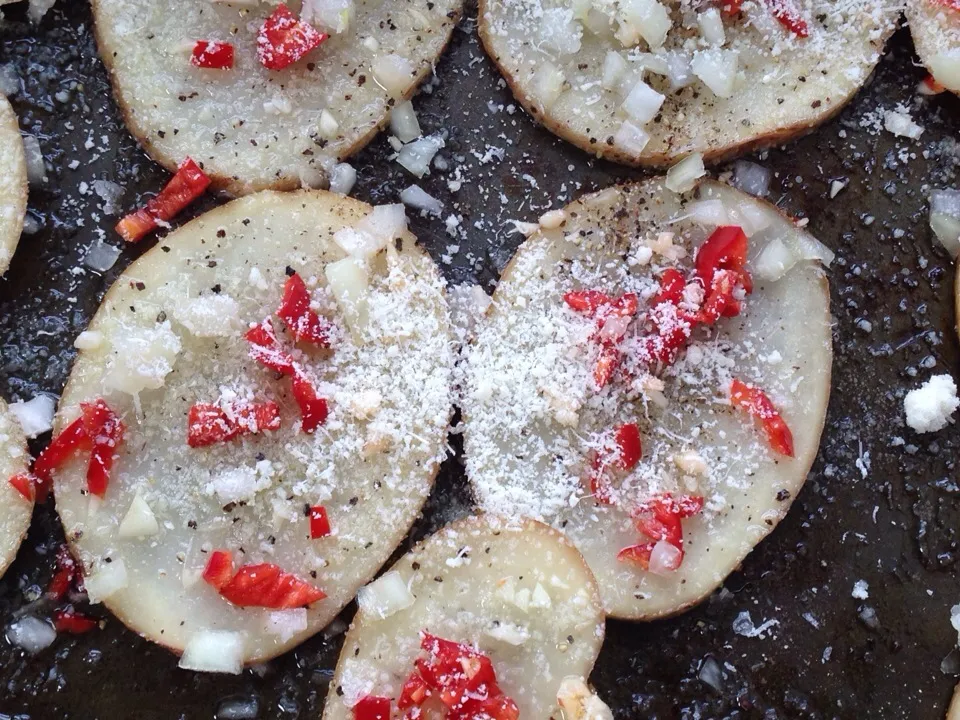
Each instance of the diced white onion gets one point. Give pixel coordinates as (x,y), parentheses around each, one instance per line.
(286,623)
(110,577)
(394,73)
(31,633)
(598,23)
(614,68)
(509,633)
(385,596)
(559,31)
(643,103)
(139,520)
(342,178)
(650,19)
(334,16)
(349,281)
(631,138)
(404,123)
(945,68)
(547,84)
(417,156)
(416,197)
(809,248)
(88,340)
(36,170)
(753,179)
(711,26)
(708,212)
(945,219)
(385,222)
(649,61)
(775,260)
(101,256)
(218,651)
(665,558)
(36,415)
(679,69)
(717,69)
(754,218)
(683,176)
(328,125)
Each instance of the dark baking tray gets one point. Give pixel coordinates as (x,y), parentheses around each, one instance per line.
(830,656)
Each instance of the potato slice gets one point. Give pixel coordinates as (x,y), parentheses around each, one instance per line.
(252,128)
(168,505)
(468,579)
(935,28)
(953,712)
(762,86)
(13,184)
(15,509)
(531,417)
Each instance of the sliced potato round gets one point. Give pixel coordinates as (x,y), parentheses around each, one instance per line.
(579,68)
(168,335)
(935,27)
(517,591)
(15,509)
(532,418)
(953,712)
(252,128)
(13,184)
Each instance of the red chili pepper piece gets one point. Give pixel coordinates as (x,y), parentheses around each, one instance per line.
(26,485)
(720,301)
(189,183)
(65,574)
(672,285)
(607,363)
(629,447)
(500,707)
(371,707)
(213,55)
(266,585)
(72,438)
(731,7)
(319,522)
(284,39)
(415,692)
(313,408)
(265,348)
(69,621)
(659,519)
(586,301)
(789,16)
(637,554)
(219,569)
(929,85)
(725,249)
(295,311)
(106,431)
(955,4)
(756,402)
(208,424)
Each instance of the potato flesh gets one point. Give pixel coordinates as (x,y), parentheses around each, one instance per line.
(522,458)
(249,127)
(935,28)
(773,97)
(472,558)
(13,184)
(15,510)
(242,250)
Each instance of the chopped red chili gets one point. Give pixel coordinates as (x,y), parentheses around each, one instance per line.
(586,301)
(208,424)
(731,7)
(72,438)
(285,38)
(756,402)
(69,621)
(295,311)
(106,431)
(189,183)
(629,448)
(611,316)
(929,85)
(725,249)
(212,54)
(313,408)
(371,707)
(219,569)
(789,16)
(319,522)
(25,484)
(660,520)
(672,285)
(262,585)
(627,453)
(65,575)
